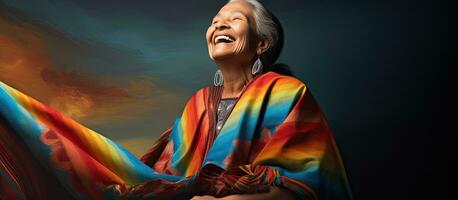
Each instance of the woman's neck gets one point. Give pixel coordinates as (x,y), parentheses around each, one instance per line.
(236,77)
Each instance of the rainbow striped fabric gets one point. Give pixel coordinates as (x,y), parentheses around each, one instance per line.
(276,135)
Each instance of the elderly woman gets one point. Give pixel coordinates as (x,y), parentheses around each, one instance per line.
(254,135)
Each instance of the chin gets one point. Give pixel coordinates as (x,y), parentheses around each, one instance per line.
(222,55)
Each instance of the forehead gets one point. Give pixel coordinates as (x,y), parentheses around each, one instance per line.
(236,7)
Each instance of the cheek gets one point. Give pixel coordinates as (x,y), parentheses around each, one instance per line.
(242,45)
(208,39)
(244,39)
(208,34)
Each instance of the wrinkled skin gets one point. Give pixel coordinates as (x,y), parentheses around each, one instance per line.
(236,20)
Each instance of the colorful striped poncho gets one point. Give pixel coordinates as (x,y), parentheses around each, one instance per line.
(275,136)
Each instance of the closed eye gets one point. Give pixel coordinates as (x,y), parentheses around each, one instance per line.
(237,15)
(237,18)
(215,20)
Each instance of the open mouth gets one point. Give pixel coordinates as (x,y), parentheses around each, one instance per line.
(223,39)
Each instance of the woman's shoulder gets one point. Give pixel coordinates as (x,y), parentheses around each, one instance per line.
(279,80)
(200,95)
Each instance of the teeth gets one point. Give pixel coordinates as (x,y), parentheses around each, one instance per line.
(225,37)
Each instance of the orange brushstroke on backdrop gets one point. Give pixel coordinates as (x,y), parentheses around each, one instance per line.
(25,64)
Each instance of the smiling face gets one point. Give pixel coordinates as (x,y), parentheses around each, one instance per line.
(231,34)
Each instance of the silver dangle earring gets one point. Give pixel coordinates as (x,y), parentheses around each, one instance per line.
(218,79)
(257,67)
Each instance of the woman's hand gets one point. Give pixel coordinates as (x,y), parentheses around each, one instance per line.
(205,197)
(275,193)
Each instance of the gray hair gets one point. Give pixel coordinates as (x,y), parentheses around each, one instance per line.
(265,25)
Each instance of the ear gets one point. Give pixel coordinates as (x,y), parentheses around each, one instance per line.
(263,44)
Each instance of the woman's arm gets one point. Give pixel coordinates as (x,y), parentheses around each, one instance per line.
(274,193)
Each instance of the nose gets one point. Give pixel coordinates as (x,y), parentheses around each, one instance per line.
(221,25)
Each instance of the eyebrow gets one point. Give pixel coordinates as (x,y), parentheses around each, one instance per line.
(232,12)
